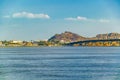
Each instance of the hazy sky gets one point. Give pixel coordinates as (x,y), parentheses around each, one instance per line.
(41,19)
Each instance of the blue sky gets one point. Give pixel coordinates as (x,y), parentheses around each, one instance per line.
(41,19)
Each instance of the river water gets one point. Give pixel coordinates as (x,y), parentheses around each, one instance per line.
(60,63)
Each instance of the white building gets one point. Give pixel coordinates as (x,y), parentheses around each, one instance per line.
(16,41)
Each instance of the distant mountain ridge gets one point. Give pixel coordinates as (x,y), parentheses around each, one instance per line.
(68,37)
(108,36)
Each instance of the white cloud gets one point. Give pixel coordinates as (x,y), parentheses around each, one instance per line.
(70,18)
(80,18)
(29,15)
(104,21)
(77,18)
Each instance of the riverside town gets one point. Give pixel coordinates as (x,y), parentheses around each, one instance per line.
(67,39)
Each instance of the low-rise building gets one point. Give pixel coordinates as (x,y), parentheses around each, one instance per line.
(1,43)
(16,41)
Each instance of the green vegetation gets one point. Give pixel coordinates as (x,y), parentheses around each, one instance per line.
(107,43)
(29,43)
(110,42)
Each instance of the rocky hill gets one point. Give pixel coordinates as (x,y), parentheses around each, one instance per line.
(108,36)
(67,37)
